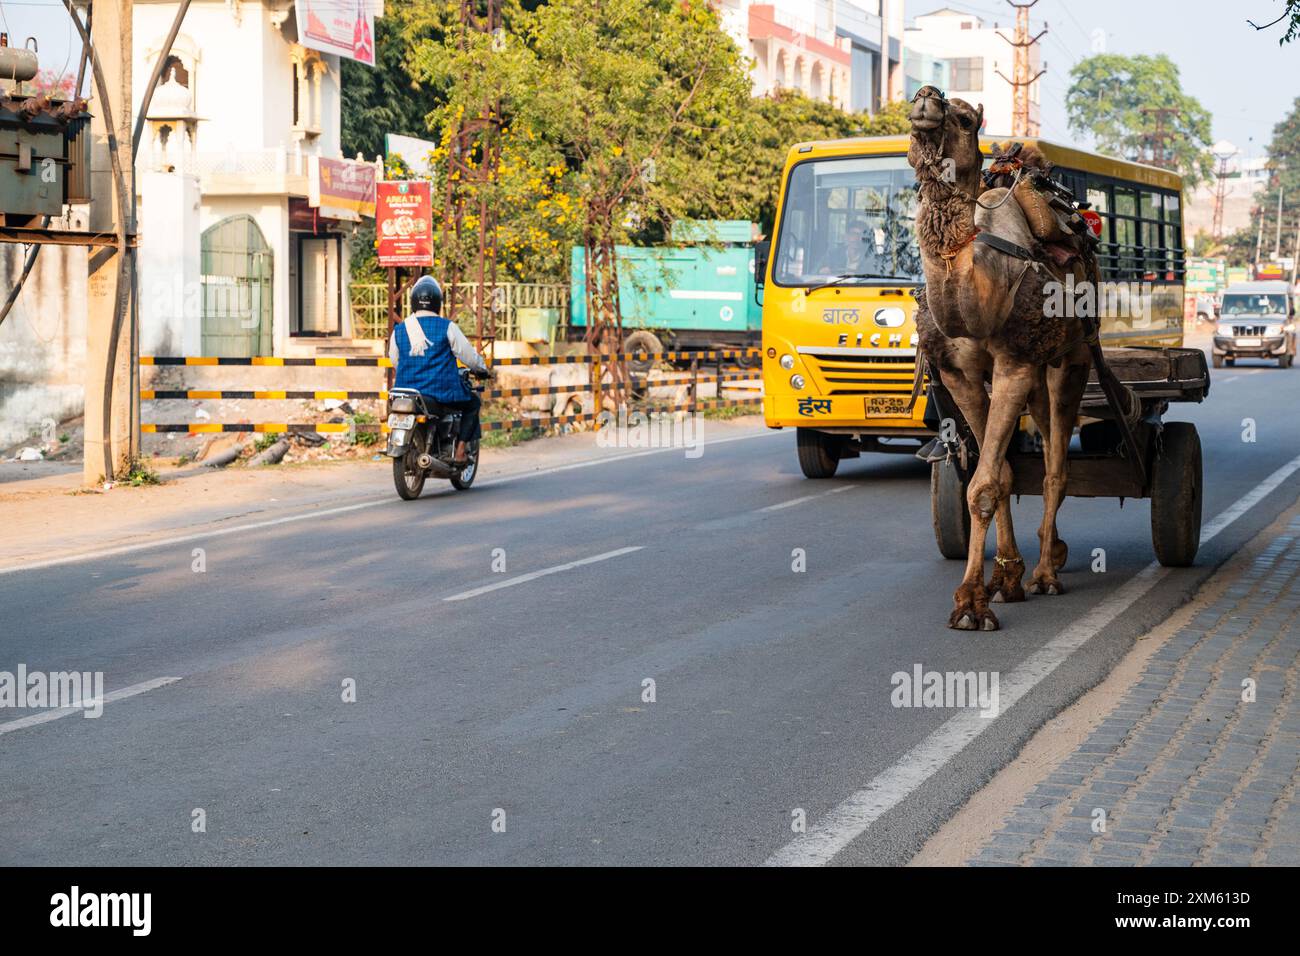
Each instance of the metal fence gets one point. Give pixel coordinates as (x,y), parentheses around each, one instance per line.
(370,320)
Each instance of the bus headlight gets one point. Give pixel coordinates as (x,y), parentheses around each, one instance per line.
(797,382)
(787,362)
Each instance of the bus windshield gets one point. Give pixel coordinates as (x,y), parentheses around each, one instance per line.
(1254,304)
(850,218)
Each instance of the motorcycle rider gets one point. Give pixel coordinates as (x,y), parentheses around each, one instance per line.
(424,349)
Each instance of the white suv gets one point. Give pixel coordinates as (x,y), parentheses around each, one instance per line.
(1256,320)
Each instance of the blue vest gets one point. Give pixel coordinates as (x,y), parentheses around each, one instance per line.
(435,372)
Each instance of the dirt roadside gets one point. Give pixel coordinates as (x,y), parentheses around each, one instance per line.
(958,840)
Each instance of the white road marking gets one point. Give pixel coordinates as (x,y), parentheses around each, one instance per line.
(846,822)
(1225,381)
(47,715)
(798,501)
(327,512)
(534,575)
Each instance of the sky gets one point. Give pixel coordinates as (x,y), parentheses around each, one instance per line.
(1242,77)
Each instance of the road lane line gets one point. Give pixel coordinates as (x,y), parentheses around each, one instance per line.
(46,716)
(327,512)
(534,575)
(798,501)
(851,818)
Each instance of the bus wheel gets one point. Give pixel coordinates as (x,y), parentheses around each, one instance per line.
(948,510)
(819,453)
(1176,495)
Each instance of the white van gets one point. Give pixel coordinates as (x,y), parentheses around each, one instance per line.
(1256,320)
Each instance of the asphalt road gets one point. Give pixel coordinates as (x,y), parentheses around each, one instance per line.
(772,688)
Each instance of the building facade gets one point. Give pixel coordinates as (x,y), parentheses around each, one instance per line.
(235,258)
(976,62)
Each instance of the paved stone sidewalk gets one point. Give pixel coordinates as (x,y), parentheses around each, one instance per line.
(1187,770)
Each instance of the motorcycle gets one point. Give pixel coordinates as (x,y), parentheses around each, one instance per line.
(422,441)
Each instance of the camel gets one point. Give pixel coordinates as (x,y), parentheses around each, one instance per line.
(981,319)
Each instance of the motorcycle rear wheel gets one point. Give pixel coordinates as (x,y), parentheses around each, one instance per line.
(408,476)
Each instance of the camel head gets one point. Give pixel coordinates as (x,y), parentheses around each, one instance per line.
(944,129)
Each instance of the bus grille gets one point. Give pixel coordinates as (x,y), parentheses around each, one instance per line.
(862,374)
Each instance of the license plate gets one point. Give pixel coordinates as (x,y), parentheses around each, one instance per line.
(401,421)
(887,405)
(1250,343)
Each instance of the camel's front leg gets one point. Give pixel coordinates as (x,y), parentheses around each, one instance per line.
(1065,387)
(990,488)
(967,390)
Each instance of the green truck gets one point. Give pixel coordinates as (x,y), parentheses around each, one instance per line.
(697,292)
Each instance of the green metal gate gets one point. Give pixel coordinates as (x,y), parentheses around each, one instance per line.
(236,267)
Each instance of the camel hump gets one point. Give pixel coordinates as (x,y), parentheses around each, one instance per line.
(1006,221)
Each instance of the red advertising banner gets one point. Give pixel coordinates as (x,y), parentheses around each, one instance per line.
(404,224)
(341,188)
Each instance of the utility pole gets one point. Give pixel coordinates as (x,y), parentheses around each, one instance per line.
(112,398)
(1021,81)
(1156,142)
(1224,151)
(1277,243)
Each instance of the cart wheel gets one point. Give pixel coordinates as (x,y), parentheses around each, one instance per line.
(1216,361)
(948,510)
(1176,496)
(819,453)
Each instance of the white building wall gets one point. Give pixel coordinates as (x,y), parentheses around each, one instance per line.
(951,36)
(42,342)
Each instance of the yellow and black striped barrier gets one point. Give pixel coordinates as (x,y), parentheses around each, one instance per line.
(158,394)
(264,428)
(341,361)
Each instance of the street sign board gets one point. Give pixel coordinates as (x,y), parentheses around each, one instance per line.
(404,224)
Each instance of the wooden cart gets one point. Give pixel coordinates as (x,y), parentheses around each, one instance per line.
(1165,466)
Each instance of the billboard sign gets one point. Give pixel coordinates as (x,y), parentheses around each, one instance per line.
(341,188)
(412,151)
(345,28)
(404,224)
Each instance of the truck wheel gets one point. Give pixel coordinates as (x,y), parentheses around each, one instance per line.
(1230,362)
(1176,495)
(642,341)
(819,453)
(948,510)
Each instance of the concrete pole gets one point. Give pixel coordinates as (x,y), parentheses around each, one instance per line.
(112,36)
(884,54)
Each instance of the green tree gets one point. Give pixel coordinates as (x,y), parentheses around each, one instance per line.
(1284,178)
(626,95)
(1118,100)
(387,97)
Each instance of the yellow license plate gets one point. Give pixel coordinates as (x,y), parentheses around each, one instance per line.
(887,405)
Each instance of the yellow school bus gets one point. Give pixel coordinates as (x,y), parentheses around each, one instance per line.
(839,342)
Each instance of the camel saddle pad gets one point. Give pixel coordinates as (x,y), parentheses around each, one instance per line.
(1044,222)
